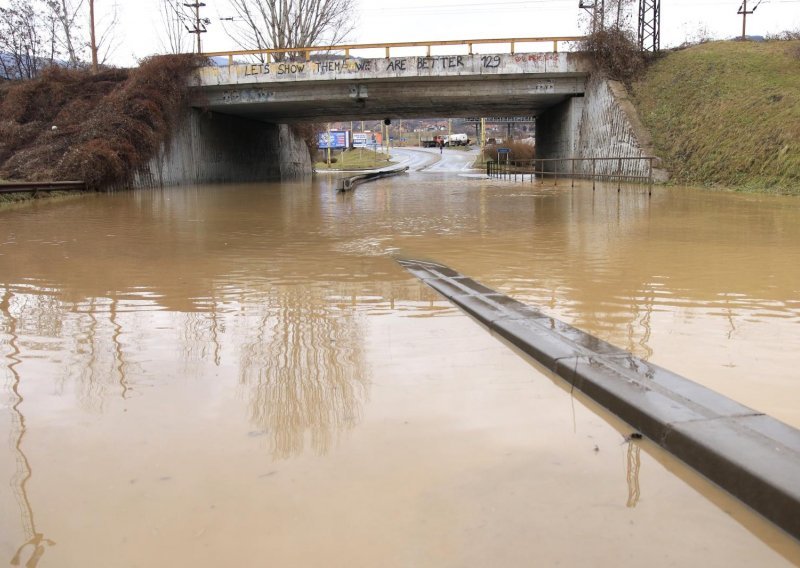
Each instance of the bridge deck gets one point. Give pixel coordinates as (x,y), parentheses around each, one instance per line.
(346,89)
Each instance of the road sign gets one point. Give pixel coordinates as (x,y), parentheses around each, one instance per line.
(360,140)
(338,139)
(504,150)
(503,119)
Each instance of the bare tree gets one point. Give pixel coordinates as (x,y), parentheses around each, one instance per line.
(68,15)
(23,47)
(271,24)
(175,22)
(618,12)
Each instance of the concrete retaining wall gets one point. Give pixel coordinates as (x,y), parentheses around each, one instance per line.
(602,124)
(216,148)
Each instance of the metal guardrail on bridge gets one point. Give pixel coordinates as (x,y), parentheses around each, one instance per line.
(347,48)
(535,169)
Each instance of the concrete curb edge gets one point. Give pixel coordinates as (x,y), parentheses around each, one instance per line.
(754,457)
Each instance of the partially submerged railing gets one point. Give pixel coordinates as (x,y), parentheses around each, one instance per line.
(349,183)
(609,169)
(36,186)
(306,52)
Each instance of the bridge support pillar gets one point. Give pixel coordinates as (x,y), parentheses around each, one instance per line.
(558,134)
(210,147)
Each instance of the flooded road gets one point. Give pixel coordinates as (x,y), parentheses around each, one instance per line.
(243,375)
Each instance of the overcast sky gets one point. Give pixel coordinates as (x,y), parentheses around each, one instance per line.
(140,32)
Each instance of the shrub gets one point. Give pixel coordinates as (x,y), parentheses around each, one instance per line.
(519,151)
(616,53)
(107,124)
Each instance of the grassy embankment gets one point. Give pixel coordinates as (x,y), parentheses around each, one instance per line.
(727,114)
(98,128)
(352,160)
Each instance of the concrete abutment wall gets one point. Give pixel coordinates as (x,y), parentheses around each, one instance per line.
(601,124)
(210,147)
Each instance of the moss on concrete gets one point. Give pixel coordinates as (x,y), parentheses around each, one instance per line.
(727,114)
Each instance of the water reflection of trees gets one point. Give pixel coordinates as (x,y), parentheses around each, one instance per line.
(98,365)
(304,371)
(35,544)
(201,334)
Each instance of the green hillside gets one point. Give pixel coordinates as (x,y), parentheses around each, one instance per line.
(727,114)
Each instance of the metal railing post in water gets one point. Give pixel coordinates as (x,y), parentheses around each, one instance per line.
(572,163)
(594,167)
(650,178)
(619,175)
(555,173)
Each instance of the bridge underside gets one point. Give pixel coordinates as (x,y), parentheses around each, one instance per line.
(342,101)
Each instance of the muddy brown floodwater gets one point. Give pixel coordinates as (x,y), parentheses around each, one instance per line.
(242,375)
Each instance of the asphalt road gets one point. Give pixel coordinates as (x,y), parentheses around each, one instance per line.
(434,161)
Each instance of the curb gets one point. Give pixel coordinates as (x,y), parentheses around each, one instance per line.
(751,455)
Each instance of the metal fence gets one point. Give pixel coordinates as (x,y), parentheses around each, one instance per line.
(617,169)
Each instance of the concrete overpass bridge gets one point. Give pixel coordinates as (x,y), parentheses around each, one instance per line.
(241,129)
(326,87)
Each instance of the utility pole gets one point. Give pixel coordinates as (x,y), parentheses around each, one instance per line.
(650,25)
(591,9)
(602,15)
(329,142)
(744,12)
(93,40)
(199,25)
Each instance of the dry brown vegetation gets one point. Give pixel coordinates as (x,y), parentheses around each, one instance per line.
(519,151)
(106,125)
(616,54)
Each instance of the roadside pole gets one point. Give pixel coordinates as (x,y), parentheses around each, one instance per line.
(483,136)
(329,146)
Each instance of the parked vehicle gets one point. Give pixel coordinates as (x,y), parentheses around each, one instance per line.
(432,142)
(456,140)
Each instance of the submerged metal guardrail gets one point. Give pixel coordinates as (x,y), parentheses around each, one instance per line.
(350,183)
(753,456)
(535,169)
(36,186)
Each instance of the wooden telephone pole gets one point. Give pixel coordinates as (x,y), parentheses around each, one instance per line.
(744,12)
(199,24)
(93,37)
